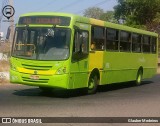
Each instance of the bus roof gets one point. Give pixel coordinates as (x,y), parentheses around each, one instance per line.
(93,22)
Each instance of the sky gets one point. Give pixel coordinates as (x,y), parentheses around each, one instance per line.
(67,6)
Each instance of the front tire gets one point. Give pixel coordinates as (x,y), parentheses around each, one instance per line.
(93,84)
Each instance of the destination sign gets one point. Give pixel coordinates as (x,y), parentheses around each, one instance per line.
(50,20)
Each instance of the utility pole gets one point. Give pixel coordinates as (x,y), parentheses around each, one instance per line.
(3,2)
(1,15)
(11,24)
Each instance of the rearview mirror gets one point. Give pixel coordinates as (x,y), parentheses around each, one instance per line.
(8,33)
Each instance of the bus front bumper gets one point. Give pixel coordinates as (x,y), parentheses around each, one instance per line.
(55,81)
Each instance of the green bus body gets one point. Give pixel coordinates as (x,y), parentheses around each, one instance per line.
(109,62)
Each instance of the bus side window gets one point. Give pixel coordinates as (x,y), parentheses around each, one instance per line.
(97,40)
(136,43)
(125,41)
(80,45)
(154,44)
(112,37)
(146,44)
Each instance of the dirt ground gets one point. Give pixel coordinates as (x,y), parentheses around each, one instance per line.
(4,66)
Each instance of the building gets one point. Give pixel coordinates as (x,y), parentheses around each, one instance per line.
(1,34)
(1,37)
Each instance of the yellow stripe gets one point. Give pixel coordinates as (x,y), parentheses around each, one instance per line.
(96,22)
(96,60)
(39,72)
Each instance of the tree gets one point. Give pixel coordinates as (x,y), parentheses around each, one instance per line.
(108,16)
(137,12)
(98,13)
(155,24)
(93,12)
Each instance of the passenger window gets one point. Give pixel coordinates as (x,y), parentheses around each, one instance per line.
(146,44)
(125,41)
(97,40)
(136,42)
(112,39)
(154,44)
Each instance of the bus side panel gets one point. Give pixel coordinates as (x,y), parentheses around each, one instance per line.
(122,66)
(150,67)
(149,72)
(118,68)
(79,74)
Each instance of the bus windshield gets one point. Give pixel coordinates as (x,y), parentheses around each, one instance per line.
(42,43)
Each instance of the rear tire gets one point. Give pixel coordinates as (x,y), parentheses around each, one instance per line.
(92,84)
(139,77)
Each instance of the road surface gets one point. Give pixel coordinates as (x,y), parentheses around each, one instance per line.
(120,100)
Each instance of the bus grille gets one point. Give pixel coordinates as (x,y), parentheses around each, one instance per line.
(37,67)
(26,79)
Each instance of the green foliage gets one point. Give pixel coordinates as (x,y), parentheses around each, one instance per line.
(143,14)
(98,13)
(138,12)
(157,18)
(93,12)
(108,16)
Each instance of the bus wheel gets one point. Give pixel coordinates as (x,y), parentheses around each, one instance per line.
(92,84)
(139,77)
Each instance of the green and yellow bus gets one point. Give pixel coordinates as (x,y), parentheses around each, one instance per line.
(67,51)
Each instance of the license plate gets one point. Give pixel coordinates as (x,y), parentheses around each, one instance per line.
(34,77)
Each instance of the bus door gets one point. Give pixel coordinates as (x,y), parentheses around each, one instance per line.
(97,47)
(79,63)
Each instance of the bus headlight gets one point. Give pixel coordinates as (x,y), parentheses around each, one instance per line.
(61,70)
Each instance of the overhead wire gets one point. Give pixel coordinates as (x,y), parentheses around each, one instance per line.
(97,4)
(66,6)
(46,5)
(62,8)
